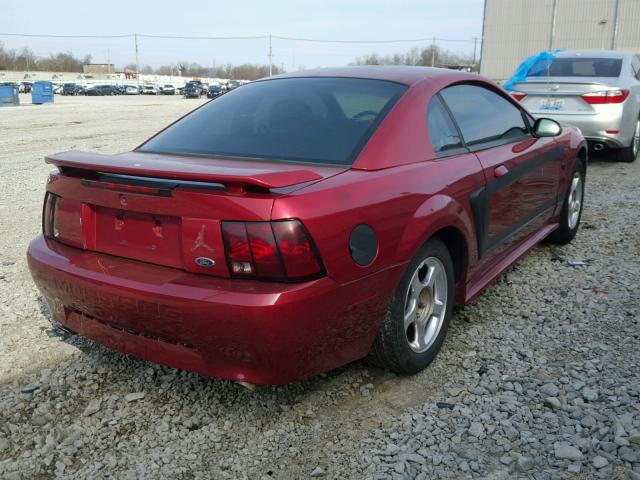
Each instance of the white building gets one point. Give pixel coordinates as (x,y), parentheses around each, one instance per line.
(515,29)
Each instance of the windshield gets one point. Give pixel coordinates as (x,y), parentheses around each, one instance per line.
(320,120)
(577,67)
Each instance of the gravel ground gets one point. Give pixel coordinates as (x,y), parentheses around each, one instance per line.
(538,378)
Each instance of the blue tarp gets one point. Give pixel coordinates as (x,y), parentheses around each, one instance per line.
(524,70)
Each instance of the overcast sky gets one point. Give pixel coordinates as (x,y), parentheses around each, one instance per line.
(326,19)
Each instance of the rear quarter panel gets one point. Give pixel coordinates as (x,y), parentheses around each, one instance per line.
(404,205)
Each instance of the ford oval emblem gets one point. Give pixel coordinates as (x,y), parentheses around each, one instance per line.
(205,262)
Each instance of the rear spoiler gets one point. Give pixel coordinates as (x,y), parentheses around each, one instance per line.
(235,175)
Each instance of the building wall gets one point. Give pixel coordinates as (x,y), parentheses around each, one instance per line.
(516,29)
(99,68)
(512,30)
(628,37)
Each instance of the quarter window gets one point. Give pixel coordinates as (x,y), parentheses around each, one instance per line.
(442,132)
(484,117)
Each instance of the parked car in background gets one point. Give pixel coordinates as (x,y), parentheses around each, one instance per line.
(179,89)
(339,213)
(168,90)
(597,91)
(232,85)
(131,90)
(102,90)
(57,88)
(192,90)
(150,90)
(214,91)
(26,86)
(72,89)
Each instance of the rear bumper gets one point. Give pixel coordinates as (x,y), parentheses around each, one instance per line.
(594,127)
(247,331)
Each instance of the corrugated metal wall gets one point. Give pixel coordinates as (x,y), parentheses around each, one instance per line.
(516,29)
(628,37)
(512,30)
(584,24)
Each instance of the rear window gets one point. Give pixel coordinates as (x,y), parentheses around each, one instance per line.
(577,67)
(318,120)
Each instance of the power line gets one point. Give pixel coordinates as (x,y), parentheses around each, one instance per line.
(413,40)
(29,35)
(177,37)
(253,37)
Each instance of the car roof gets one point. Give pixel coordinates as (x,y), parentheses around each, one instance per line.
(592,54)
(408,75)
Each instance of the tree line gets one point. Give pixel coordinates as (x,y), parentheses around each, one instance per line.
(245,71)
(25,59)
(425,57)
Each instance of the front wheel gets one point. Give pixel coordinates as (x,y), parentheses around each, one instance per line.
(630,153)
(572,207)
(418,318)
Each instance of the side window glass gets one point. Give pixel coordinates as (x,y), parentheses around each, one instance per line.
(442,132)
(484,116)
(635,66)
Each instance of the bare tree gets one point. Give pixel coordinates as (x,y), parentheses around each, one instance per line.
(426,56)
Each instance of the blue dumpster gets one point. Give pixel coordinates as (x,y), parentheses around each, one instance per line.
(9,96)
(42,92)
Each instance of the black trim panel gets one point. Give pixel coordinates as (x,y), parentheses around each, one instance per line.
(515,173)
(502,237)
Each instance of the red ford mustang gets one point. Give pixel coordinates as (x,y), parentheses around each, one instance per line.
(305,221)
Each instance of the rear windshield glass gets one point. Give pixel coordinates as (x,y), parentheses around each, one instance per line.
(319,120)
(577,67)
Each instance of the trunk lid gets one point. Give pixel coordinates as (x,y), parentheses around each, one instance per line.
(548,95)
(166,209)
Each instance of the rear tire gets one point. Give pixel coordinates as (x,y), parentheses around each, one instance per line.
(630,153)
(418,317)
(572,207)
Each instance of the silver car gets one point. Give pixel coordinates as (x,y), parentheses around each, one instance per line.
(596,91)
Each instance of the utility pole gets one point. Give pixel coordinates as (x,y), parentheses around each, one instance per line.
(135,36)
(475,48)
(615,25)
(270,57)
(433,52)
(552,34)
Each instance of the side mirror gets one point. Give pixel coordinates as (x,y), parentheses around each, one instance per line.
(546,127)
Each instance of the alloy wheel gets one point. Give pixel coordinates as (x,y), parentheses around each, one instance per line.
(575,200)
(425,304)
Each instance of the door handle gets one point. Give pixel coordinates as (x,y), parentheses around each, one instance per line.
(500,171)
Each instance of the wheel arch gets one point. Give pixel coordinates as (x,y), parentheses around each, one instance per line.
(444,218)
(456,243)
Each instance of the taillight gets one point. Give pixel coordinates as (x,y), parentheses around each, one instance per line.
(281,250)
(605,96)
(62,220)
(518,95)
(49,217)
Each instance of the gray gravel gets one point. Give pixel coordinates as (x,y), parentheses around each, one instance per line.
(539,378)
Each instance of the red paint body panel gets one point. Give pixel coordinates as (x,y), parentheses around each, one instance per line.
(243,330)
(125,272)
(233,172)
